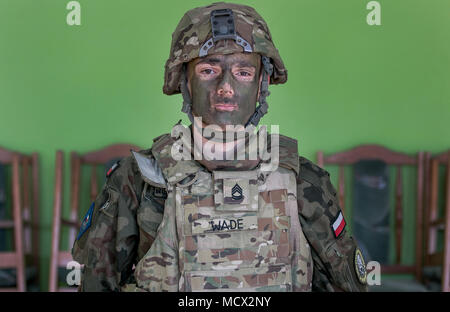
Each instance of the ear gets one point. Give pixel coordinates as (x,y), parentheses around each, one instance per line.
(189,85)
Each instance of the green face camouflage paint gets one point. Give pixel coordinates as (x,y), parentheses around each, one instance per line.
(224,88)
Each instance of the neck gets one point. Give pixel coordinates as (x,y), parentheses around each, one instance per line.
(236,148)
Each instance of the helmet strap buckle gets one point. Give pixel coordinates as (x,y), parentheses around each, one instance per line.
(263,106)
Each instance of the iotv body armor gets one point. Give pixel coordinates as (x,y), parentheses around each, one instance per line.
(226,230)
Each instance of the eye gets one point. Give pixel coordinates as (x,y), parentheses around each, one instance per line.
(244,74)
(207,71)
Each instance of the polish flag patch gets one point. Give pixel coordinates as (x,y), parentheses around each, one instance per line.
(338,225)
(111,170)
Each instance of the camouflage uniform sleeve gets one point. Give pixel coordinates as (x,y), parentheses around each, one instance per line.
(149,217)
(335,259)
(107,246)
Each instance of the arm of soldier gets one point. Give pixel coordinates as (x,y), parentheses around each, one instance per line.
(95,243)
(158,269)
(108,238)
(149,217)
(337,259)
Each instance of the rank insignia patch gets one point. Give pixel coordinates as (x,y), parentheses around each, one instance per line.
(360,267)
(86,221)
(338,224)
(235,191)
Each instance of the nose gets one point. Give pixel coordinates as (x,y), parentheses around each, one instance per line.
(224,88)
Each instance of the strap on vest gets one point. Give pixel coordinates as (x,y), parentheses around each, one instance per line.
(289,153)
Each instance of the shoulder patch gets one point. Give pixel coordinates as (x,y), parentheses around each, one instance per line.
(338,224)
(86,223)
(112,169)
(360,267)
(150,171)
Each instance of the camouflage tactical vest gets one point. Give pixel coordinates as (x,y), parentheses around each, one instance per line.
(225,230)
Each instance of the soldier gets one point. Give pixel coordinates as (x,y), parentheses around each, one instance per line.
(168,224)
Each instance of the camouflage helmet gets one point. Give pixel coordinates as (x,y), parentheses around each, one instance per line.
(193,36)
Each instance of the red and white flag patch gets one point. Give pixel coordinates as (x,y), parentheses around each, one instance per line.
(111,170)
(339,224)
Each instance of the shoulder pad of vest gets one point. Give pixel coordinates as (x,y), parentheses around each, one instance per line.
(150,170)
(159,137)
(160,142)
(289,153)
(310,172)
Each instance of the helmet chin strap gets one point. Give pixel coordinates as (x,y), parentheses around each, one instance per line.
(187,101)
(260,111)
(262,108)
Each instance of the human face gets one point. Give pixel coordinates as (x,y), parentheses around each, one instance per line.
(224,88)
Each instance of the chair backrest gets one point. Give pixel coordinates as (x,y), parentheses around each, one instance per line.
(399,160)
(25,216)
(60,257)
(436,221)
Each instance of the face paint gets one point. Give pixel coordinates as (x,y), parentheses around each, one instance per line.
(224,88)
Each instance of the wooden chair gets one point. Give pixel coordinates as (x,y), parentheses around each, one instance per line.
(25,222)
(435,221)
(392,158)
(60,257)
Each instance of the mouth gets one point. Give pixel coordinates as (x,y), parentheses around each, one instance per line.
(222,107)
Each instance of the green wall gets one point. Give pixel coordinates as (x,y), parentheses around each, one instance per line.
(84,87)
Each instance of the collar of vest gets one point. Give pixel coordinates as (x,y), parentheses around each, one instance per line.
(174,171)
(162,168)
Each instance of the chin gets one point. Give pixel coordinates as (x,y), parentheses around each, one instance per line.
(222,119)
(226,121)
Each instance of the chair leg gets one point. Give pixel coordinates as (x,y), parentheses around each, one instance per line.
(35,213)
(18,227)
(56,224)
(446,258)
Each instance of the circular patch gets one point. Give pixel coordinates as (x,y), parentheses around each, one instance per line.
(360,267)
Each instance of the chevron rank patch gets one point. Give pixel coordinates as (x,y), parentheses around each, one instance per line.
(338,224)
(236,191)
(360,267)
(111,170)
(86,221)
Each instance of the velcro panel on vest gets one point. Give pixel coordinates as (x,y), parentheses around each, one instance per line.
(236,190)
(271,278)
(265,246)
(200,215)
(215,237)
